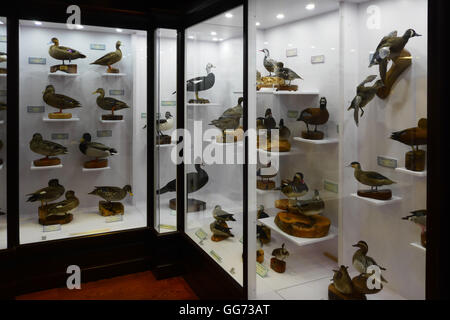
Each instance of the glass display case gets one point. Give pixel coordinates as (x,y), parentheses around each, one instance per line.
(3,75)
(83,107)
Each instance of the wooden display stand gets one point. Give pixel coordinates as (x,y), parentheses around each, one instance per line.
(270,82)
(46,220)
(67,68)
(277,265)
(399,65)
(335,294)
(377,195)
(47,162)
(59,115)
(164,139)
(217,238)
(313,135)
(95,164)
(110,208)
(415,160)
(360,285)
(231,136)
(112,117)
(200,101)
(265,184)
(112,70)
(193,205)
(287,88)
(260,255)
(278,146)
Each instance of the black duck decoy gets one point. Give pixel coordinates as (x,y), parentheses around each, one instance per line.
(201,83)
(194,181)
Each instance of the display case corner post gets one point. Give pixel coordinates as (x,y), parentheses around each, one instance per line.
(151,108)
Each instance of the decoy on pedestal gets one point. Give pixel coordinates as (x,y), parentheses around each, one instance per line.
(261,214)
(64,53)
(414,137)
(57,213)
(315,117)
(109,104)
(287,75)
(201,84)
(277,263)
(311,207)
(342,281)
(266,173)
(59,101)
(230,120)
(268,62)
(47,149)
(419,217)
(294,188)
(96,150)
(110,58)
(361,261)
(164,125)
(112,195)
(219,227)
(373,180)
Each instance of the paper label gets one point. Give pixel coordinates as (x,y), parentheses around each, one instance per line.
(167,227)
(97,46)
(114,218)
(201,234)
(291,52)
(215,256)
(52,228)
(35,109)
(116,92)
(169,103)
(292,114)
(261,270)
(330,186)
(104,133)
(318,59)
(34,60)
(2,38)
(144,115)
(60,136)
(387,162)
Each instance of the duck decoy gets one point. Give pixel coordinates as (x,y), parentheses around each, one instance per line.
(295,188)
(268,172)
(236,111)
(63,53)
(222,215)
(361,261)
(47,194)
(364,95)
(419,217)
(110,58)
(59,101)
(201,84)
(112,193)
(370,178)
(164,124)
(230,119)
(315,116)
(342,281)
(260,123)
(390,48)
(285,73)
(312,206)
(413,136)
(95,149)
(261,214)
(194,181)
(280,253)
(269,121)
(263,234)
(45,147)
(64,206)
(109,103)
(220,230)
(268,62)
(284,132)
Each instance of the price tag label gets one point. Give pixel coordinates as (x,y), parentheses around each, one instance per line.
(215,256)
(35,60)
(168,103)
(118,92)
(104,133)
(330,186)
(387,162)
(52,228)
(318,59)
(201,234)
(261,270)
(60,136)
(97,46)
(167,227)
(35,109)
(117,218)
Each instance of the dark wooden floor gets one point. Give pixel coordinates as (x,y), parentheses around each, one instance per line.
(138,286)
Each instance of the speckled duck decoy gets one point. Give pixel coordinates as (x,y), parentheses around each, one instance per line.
(194,181)
(361,261)
(413,136)
(268,62)
(45,147)
(112,193)
(220,230)
(222,215)
(295,188)
(108,103)
(315,116)
(363,96)
(95,149)
(280,253)
(110,58)
(342,281)
(285,73)
(312,206)
(59,101)
(164,124)
(370,178)
(64,206)
(63,53)
(47,194)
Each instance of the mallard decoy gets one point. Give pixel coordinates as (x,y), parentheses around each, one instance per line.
(390,48)
(220,230)
(164,124)
(59,101)
(112,193)
(47,194)
(370,178)
(268,63)
(295,188)
(2,106)
(110,58)
(413,136)
(201,83)
(364,95)
(269,121)
(285,73)
(64,206)
(222,215)
(194,181)
(419,217)
(95,149)
(280,253)
(3,57)
(284,132)
(261,214)
(312,206)
(361,261)
(45,147)
(108,103)
(342,281)
(315,116)
(63,53)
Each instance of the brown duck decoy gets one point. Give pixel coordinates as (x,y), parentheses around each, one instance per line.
(413,136)
(315,116)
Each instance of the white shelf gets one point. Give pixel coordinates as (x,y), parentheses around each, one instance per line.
(33,167)
(110,121)
(288,93)
(63,74)
(294,151)
(270,222)
(238,143)
(47,119)
(378,202)
(113,74)
(203,105)
(324,195)
(323,141)
(95,169)
(266,192)
(3,75)
(171,145)
(420,174)
(419,246)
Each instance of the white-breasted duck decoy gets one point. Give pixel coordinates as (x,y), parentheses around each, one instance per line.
(268,62)
(222,215)
(361,261)
(419,217)
(194,181)
(95,149)
(202,83)
(164,124)
(285,73)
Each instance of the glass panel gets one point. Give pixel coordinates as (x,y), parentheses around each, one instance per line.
(166,171)
(330,46)
(214,177)
(82,113)
(3,63)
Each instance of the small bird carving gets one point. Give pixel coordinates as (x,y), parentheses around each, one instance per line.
(268,62)
(370,178)
(280,253)
(342,281)
(222,215)
(413,136)
(361,261)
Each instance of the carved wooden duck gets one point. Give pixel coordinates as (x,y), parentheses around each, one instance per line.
(109,103)
(64,206)
(315,116)
(112,193)
(47,194)
(268,62)
(95,149)
(110,58)
(222,215)
(361,261)
(59,101)
(45,147)
(370,178)
(63,53)
(413,136)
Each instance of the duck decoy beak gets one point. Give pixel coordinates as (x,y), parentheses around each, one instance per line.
(94,92)
(131,193)
(355,245)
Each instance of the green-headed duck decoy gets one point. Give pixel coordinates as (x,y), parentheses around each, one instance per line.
(95,149)
(370,178)
(315,116)
(59,101)
(413,136)
(361,261)
(63,53)
(47,194)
